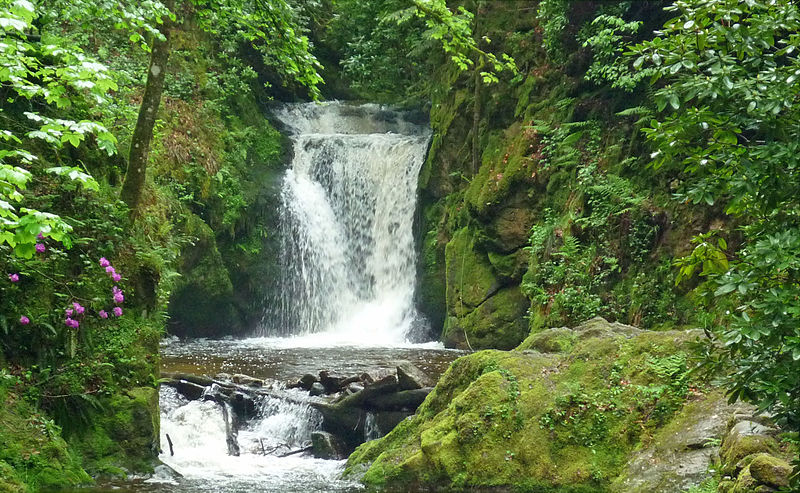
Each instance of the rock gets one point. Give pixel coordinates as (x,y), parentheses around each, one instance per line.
(224,377)
(196,379)
(405,400)
(243,405)
(354,388)
(746,428)
(366,378)
(331,381)
(516,399)
(190,390)
(680,454)
(316,389)
(325,445)
(550,341)
(247,380)
(770,471)
(739,444)
(410,377)
(307,380)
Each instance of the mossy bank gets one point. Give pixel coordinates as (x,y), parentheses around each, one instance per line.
(569,411)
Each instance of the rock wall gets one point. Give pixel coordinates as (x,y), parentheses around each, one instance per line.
(563,220)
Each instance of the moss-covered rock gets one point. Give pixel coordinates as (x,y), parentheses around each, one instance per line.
(33,455)
(123,434)
(561,422)
(497,323)
(771,471)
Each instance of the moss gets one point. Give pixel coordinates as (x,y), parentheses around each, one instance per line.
(738,447)
(498,322)
(550,341)
(529,421)
(123,435)
(33,455)
(771,471)
(470,279)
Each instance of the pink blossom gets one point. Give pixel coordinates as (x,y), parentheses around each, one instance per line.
(116,277)
(103,314)
(104,262)
(78,308)
(40,236)
(72,323)
(14,277)
(24,320)
(116,290)
(118,298)
(110,270)
(68,312)
(40,248)
(117,311)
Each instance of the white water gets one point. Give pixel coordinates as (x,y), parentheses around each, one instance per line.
(348,201)
(197,430)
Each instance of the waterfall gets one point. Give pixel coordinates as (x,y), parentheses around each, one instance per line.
(347,208)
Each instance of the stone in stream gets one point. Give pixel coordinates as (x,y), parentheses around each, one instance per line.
(247,380)
(307,380)
(410,377)
(316,389)
(190,390)
(331,381)
(325,445)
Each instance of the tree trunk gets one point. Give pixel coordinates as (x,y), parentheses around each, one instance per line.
(476,106)
(143,133)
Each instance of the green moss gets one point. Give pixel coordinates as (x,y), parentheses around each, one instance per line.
(498,322)
(33,455)
(530,421)
(738,447)
(123,434)
(771,471)
(550,341)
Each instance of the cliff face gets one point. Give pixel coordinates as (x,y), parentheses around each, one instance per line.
(562,220)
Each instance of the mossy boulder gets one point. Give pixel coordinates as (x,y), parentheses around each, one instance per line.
(770,471)
(470,278)
(33,455)
(497,323)
(528,421)
(123,434)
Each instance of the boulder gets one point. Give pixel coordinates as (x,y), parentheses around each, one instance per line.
(410,377)
(325,445)
(405,400)
(316,389)
(190,390)
(332,382)
(770,471)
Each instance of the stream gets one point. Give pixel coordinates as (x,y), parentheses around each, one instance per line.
(346,305)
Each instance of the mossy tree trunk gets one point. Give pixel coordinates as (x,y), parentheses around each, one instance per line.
(143,133)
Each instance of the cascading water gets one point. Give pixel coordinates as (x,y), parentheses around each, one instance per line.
(348,200)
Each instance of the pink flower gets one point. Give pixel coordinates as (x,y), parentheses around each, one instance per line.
(116,277)
(104,262)
(40,236)
(103,314)
(68,312)
(78,308)
(72,323)
(117,311)
(118,298)
(40,248)
(14,277)
(110,270)
(116,290)
(24,320)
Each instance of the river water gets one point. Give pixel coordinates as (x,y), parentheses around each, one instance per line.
(348,269)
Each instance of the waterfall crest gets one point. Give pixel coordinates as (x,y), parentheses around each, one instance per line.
(347,208)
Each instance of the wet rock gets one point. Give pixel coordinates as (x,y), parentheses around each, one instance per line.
(325,445)
(196,379)
(405,400)
(410,377)
(332,382)
(366,378)
(354,388)
(247,380)
(243,405)
(190,390)
(307,380)
(316,389)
